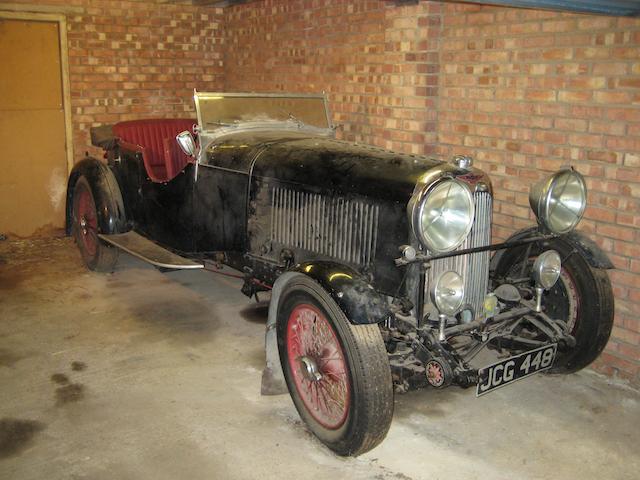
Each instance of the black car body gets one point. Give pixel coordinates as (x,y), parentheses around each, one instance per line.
(387,255)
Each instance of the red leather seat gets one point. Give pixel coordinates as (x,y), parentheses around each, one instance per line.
(156,140)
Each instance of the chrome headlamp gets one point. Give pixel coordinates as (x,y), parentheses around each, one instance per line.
(443,216)
(546,269)
(559,200)
(447,293)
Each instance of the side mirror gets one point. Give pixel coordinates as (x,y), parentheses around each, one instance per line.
(187,143)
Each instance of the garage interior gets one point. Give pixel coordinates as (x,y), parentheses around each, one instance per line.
(149,374)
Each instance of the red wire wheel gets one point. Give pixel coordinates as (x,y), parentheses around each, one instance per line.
(318,365)
(337,373)
(86,222)
(95,254)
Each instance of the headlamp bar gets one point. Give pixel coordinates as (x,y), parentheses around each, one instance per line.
(421,258)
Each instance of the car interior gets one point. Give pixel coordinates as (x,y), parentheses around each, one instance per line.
(155,140)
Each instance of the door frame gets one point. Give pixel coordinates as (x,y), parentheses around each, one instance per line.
(61,20)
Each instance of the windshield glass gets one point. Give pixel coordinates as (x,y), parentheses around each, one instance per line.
(224,109)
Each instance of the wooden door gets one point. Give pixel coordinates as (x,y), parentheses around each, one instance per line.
(32,129)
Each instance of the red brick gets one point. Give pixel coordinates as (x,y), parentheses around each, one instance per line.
(575,96)
(629,351)
(559,25)
(629,83)
(608,128)
(625,278)
(602,156)
(608,68)
(600,214)
(557,54)
(622,114)
(585,140)
(612,97)
(620,365)
(623,143)
(571,124)
(616,232)
(540,95)
(595,23)
(626,335)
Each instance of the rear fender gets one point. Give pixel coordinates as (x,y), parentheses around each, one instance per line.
(106,194)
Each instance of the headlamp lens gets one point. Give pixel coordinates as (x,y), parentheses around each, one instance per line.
(445,216)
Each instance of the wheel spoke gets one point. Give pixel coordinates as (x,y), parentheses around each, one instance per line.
(318,366)
(326,360)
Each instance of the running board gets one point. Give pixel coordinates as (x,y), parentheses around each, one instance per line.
(143,248)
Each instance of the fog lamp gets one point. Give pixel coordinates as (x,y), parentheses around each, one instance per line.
(447,293)
(546,269)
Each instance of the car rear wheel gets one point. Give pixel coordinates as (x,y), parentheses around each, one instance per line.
(582,298)
(337,373)
(95,253)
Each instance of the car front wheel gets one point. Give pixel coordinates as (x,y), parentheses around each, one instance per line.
(337,373)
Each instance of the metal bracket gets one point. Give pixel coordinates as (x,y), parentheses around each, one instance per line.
(420,257)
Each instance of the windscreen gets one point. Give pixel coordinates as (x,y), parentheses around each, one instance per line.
(216,110)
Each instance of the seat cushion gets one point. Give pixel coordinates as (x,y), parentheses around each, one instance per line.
(161,159)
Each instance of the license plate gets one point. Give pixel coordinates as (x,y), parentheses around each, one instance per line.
(515,368)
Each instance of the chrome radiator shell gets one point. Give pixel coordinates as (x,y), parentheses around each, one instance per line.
(337,227)
(473,267)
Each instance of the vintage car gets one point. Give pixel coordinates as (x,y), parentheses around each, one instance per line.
(379,264)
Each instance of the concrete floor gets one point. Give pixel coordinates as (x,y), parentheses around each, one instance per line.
(145,375)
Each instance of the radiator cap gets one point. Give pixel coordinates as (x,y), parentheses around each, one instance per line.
(464,162)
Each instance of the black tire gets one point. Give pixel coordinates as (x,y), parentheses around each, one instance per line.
(582,297)
(368,412)
(96,254)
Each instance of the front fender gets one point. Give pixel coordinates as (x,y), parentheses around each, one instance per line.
(579,241)
(355,296)
(357,299)
(106,194)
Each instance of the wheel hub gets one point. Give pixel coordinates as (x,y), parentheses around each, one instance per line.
(86,226)
(309,369)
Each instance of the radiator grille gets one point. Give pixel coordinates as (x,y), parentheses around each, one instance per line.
(473,267)
(333,226)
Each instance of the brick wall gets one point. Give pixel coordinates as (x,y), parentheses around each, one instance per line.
(523,91)
(378,65)
(134,59)
(528,91)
